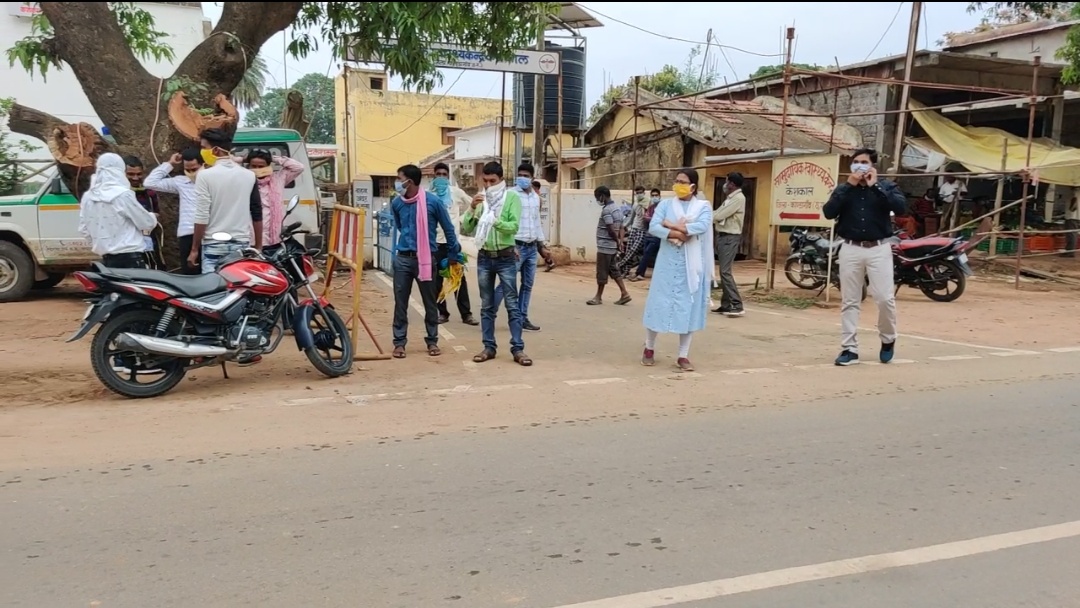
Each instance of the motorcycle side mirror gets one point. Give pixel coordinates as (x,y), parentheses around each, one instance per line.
(221,237)
(293,202)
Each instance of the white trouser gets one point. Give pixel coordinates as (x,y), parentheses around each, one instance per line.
(857,264)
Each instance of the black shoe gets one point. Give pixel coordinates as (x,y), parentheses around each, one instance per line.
(847,358)
(444,319)
(528,326)
(470,320)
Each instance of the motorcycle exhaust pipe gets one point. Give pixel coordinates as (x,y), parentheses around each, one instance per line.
(162,346)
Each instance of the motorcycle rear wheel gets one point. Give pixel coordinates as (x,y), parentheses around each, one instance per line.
(109,365)
(320,354)
(797,272)
(949,272)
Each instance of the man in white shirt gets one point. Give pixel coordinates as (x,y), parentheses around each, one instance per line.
(952,190)
(183,186)
(455,199)
(529,240)
(728,225)
(226,200)
(1072,222)
(111,217)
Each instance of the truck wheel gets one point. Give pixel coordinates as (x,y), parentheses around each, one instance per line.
(53,280)
(16,272)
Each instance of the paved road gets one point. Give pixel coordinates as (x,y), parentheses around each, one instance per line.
(566,513)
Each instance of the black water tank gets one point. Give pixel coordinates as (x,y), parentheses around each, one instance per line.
(573,90)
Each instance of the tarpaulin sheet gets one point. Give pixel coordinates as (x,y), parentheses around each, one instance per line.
(980,149)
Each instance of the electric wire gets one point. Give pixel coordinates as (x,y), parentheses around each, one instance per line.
(421,117)
(675,38)
(886,32)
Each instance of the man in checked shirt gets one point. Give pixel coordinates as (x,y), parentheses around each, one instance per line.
(529,240)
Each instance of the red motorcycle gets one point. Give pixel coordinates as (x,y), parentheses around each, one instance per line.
(157,326)
(936,266)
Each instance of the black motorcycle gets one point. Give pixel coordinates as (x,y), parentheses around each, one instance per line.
(808,265)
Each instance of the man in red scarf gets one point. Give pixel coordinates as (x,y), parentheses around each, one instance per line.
(416,214)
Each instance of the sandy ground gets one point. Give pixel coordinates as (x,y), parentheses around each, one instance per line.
(55,409)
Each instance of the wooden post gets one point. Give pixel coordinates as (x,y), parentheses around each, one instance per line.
(1036,62)
(774,230)
(633,143)
(348,138)
(992,253)
(905,89)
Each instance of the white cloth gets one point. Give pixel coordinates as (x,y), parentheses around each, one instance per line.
(183,187)
(494,197)
(223,199)
(109,214)
(458,200)
(948,192)
(530,229)
(698,250)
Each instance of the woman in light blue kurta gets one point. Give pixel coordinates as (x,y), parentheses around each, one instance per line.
(679,294)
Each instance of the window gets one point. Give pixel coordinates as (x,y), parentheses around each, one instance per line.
(451,117)
(446,131)
(993,53)
(376,84)
(384,185)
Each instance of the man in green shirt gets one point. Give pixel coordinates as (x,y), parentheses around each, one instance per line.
(493,221)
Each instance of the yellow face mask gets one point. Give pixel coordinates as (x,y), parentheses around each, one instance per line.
(208,157)
(682,190)
(262,172)
(191,174)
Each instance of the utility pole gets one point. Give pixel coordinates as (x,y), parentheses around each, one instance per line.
(538,107)
(905,89)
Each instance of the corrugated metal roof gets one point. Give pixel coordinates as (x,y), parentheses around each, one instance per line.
(745,126)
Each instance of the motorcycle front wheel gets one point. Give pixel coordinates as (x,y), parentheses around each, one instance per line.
(128,373)
(802,275)
(332,353)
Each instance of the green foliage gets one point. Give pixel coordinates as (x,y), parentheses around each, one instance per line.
(670,81)
(766,70)
(190,88)
(247,94)
(318,92)
(34,55)
(498,28)
(11,174)
(997,14)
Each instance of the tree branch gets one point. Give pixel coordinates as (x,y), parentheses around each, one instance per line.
(33,123)
(88,38)
(221,60)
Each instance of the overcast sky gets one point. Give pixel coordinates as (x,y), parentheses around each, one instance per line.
(656,33)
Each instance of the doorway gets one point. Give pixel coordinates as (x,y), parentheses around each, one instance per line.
(749,190)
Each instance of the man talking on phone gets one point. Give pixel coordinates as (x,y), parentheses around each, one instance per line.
(861,208)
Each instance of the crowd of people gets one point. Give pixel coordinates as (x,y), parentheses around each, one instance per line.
(217,193)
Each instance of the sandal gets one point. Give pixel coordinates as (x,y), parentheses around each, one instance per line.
(522,359)
(484,355)
(399,352)
(433,351)
(594,302)
(623,300)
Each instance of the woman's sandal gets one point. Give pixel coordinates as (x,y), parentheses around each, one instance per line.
(399,352)
(434,351)
(522,359)
(484,355)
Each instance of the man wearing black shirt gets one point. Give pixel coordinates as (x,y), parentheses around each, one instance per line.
(861,208)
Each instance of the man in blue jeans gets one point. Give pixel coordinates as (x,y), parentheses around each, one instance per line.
(527,242)
(493,222)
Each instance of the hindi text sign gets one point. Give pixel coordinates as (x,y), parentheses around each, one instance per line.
(545,63)
(800,187)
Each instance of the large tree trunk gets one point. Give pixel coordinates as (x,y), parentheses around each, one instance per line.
(128,99)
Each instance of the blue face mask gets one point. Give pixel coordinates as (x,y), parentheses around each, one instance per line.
(523,182)
(399,187)
(441,185)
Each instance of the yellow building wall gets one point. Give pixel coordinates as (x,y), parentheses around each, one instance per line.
(392,128)
(621,125)
(761,171)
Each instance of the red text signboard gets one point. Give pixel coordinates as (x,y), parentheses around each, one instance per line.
(800,187)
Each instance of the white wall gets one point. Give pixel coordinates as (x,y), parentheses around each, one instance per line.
(476,143)
(1023,48)
(61,95)
(580,216)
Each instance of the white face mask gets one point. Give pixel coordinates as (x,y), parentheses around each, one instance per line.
(860,167)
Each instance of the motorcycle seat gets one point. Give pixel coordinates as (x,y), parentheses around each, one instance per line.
(193,286)
(825,244)
(918,248)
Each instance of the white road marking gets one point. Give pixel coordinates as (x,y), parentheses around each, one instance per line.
(459,348)
(307,401)
(953,343)
(1016,353)
(464,389)
(413,304)
(1066,349)
(675,376)
(594,381)
(753,370)
(955,358)
(893,362)
(835,569)
(815,366)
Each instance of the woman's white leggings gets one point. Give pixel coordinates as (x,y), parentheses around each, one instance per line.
(684,343)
